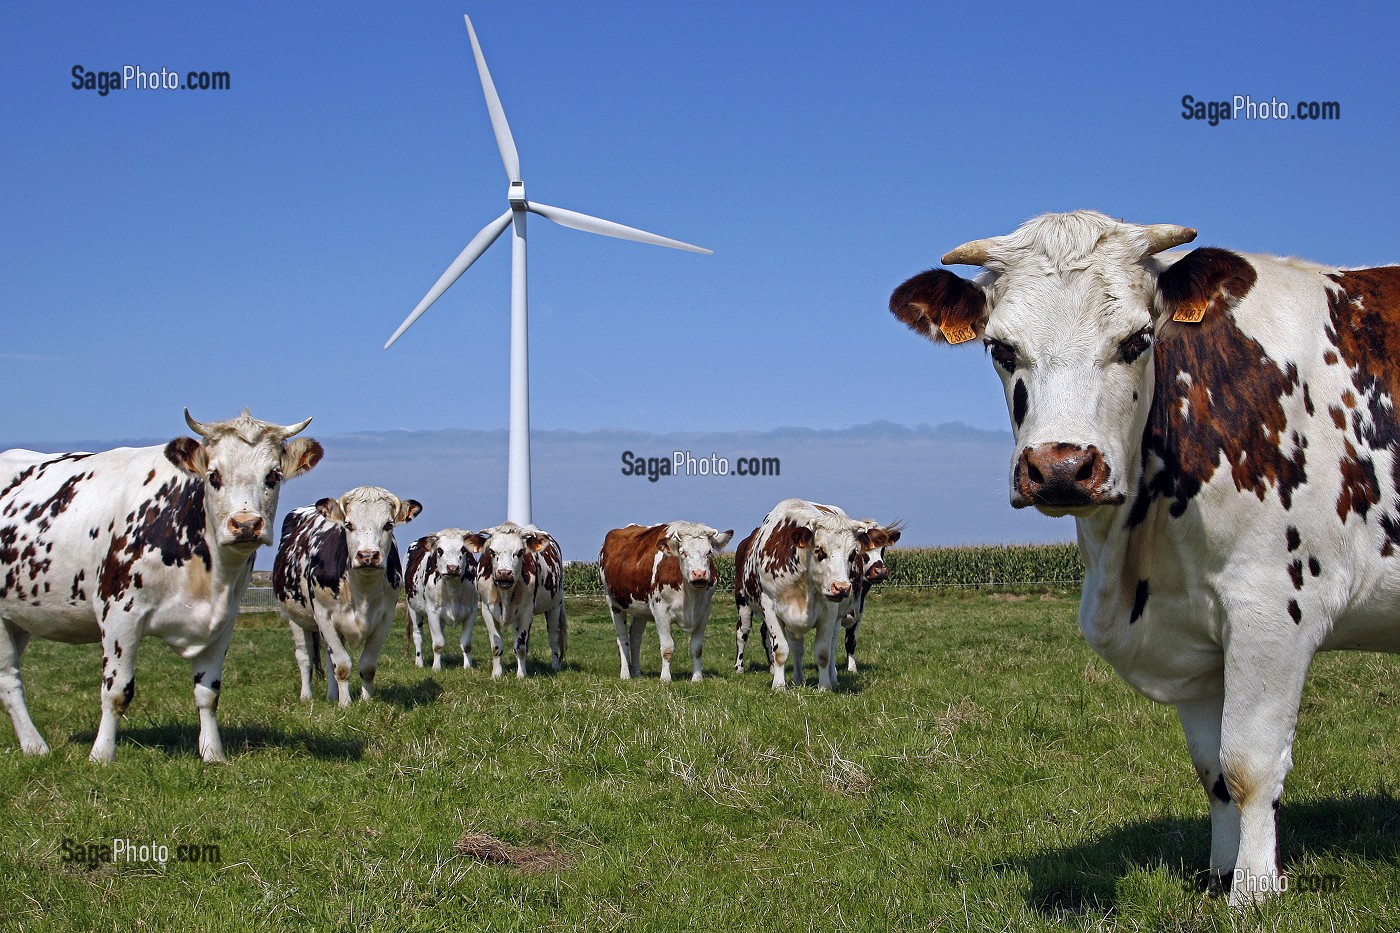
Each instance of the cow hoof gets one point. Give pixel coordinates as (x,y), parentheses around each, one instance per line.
(696,678)
(306,696)
(850,665)
(418,660)
(35,746)
(214,756)
(103,757)
(665,677)
(466,664)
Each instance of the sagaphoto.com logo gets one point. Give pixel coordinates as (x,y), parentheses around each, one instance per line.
(1244,107)
(686,463)
(136,852)
(134,77)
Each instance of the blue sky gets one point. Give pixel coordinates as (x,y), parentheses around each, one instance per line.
(257,246)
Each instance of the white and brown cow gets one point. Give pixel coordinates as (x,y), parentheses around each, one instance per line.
(440,585)
(111,547)
(876,571)
(665,572)
(1223,428)
(800,570)
(336,578)
(519,575)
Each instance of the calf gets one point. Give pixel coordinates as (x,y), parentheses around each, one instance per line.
(666,572)
(337,578)
(118,545)
(520,574)
(440,583)
(800,568)
(875,572)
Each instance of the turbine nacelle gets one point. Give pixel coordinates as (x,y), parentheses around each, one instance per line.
(516,196)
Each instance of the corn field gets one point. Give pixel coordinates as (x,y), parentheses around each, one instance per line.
(1002,565)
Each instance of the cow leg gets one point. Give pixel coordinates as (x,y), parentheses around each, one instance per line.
(852,631)
(697,644)
(1200,719)
(415,628)
(555,623)
(304,659)
(435,629)
(208,669)
(823,646)
(337,664)
(374,646)
(778,656)
(493,628)
(522,643)
(466,642)
(741,635)
(119,641)
(798,646)
(13,641)
(668,644)
(1263,688)
(624,644)
(634,643)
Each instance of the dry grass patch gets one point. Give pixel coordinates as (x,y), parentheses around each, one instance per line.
(485,847)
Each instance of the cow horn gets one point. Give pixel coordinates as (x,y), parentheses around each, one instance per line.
(292,430)
(196,426)
(971,253)
(1165,236)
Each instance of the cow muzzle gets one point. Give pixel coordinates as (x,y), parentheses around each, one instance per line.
(246,527)
(838,592)
(877,572)
(369,559)
(1062,476)
(454,570)
(701,579)
(503,578)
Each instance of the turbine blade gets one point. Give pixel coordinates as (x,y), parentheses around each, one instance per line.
(509,157)
(479,244)
(589,224)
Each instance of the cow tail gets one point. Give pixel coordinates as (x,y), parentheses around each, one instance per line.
(313,645)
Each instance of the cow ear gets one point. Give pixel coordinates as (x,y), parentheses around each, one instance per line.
(536,543)
(331,509)
(1205,282)
(720,539)
(476,542)
(941,305)
(188,455)
(408,510)
(892,535)
(299,456)
(802,536)
(668,545)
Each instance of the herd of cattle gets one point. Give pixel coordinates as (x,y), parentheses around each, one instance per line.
(111,547)
(1222,427)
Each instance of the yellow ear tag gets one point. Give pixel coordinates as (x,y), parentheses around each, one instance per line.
(958,333)
(1190,314)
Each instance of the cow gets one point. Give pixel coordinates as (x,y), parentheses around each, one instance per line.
(876,571)
(440,583)
(1222,427)
(800,569)
(336,579)
(519,575)
(665,572)
(113,546)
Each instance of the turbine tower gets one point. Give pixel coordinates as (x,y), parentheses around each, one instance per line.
(518,475)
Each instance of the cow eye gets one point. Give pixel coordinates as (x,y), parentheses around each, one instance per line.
(819,553)
(1003,353)
(274,477)
(216,480)
(1135,346)
(349,526)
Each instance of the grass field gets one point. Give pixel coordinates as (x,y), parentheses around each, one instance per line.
(983,771)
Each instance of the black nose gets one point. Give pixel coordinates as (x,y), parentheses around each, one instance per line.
(1062,475)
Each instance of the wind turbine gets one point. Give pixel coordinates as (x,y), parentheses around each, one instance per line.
(518,473)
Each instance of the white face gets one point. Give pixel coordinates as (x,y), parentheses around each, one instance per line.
(505,551)
(368,514)
(837,561)
(1074,353)
(454,558)
(242,481)
(694,546)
